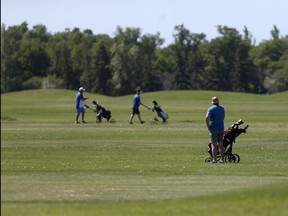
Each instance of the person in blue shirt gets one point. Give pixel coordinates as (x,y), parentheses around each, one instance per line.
(79,105)
(215,123)
(135,107)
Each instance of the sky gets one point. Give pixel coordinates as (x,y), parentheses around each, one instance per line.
(151,16)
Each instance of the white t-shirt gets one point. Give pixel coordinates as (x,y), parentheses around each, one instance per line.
(82,103)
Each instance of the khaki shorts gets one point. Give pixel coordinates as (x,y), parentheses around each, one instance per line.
(217,136)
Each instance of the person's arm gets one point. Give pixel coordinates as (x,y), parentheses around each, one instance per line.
(83,98)
(145,105)
(207,118)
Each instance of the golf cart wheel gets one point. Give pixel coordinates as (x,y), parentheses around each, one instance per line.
(230,158)
(237,158)
(165,122)
(154,121)
(112,121)
(208,160)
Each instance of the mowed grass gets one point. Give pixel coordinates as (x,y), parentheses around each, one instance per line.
(49,166)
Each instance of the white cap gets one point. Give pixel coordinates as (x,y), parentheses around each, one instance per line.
(81,89)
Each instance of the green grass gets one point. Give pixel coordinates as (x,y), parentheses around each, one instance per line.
(49,166)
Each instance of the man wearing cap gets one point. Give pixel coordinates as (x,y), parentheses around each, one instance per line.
(80,102)
(215,124)
(135,107)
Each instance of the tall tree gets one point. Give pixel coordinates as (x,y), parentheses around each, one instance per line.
(11,70)
(150,77)
(275,33)
(182,48)
(164,64)
(236,72)
(126,77)
(213,76)
(197,63)
(268,57)
(60,56)
(33,54)
(230,40)
(99,78)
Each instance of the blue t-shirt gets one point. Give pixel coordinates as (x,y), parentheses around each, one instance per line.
(136,101)
(217,115)
(79,98)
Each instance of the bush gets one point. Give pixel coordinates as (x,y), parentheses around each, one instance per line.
(32,83)
(51,82)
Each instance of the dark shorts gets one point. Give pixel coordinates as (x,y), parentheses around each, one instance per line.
(135,111)
(216,136)
(80,110)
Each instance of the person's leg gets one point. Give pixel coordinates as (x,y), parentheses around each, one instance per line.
(214,151)
(77,117)
(83,115)
(139,117)
(137,112)
(221,150)
(131,118)
(220,145)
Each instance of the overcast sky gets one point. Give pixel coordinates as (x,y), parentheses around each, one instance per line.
(151,16)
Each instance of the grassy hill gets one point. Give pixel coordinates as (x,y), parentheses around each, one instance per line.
(49,166)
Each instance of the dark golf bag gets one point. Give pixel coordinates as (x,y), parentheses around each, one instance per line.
(101,112)
(160,113)
(228,140)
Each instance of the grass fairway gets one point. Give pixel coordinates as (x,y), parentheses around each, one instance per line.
(49,166)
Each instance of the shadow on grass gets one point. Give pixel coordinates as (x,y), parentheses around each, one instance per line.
(7,118)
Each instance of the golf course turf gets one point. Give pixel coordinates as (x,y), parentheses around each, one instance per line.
(50,166)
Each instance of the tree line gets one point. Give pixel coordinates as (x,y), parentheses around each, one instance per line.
(34,59)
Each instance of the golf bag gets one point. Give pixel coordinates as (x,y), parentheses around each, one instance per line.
(101,113)
(160,113)
(228,140)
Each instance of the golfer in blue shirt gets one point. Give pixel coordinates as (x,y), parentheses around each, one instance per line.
(79,105)
(135,107)
(215,124)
